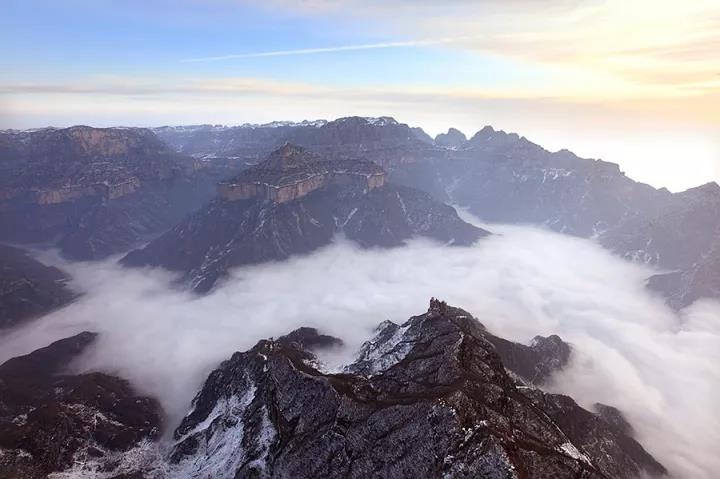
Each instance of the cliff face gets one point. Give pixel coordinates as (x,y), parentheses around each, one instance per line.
(95,191)
(291,173)
(58,165)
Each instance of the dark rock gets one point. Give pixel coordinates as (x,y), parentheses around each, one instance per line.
(28,288)
(310,339)
(51,420)
(534,363)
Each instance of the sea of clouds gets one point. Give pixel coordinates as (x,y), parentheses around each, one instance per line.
(660,368)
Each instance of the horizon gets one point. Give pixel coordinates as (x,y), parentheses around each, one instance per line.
(433,134)
(631,84)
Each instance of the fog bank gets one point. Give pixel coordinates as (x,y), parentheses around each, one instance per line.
(631,351)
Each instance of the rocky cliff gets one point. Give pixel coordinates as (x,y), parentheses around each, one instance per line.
(95,191)
(292,172)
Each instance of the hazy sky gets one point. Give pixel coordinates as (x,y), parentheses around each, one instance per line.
(630,81)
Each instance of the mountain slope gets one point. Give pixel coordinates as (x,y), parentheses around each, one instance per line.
(294,203)
(95,191)
(50,420)
(28,288)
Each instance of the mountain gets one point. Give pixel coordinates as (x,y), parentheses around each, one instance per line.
(293,203)
(51,420)
(453,139)
(505,178)
(28,288)
(95,191)
(437,396)
(381,139)
(429,398)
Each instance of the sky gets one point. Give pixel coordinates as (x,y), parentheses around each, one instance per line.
(635,82)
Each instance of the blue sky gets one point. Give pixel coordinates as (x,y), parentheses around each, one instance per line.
(604,78)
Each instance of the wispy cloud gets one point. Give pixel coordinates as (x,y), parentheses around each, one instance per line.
(343,48)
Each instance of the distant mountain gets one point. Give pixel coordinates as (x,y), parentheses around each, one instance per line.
(429,398)
(293,203)
(28,288)
(452,139)
(51,421)
(379,139)
(505,178)
(95,191)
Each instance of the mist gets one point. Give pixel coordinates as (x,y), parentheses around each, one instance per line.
(630,350)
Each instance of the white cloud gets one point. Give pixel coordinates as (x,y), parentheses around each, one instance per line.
(633,352)
(335,49)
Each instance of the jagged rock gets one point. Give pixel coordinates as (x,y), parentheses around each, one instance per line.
(429,398)
(51,420)
(233,233)
(28,288)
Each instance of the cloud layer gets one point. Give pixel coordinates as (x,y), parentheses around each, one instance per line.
(632,352)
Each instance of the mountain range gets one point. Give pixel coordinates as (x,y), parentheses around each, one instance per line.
(505,178)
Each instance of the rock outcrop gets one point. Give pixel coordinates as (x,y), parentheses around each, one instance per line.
(28,288)
(291,173)
(50,420)
(233,233)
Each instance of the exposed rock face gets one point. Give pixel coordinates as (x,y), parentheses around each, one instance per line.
(50,421)
(28,288)
(452,139)
(233,233)
(57,165)
(429,398)
(95,191)
(292,172)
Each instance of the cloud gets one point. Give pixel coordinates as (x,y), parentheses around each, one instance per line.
(633,352)
(336,49)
